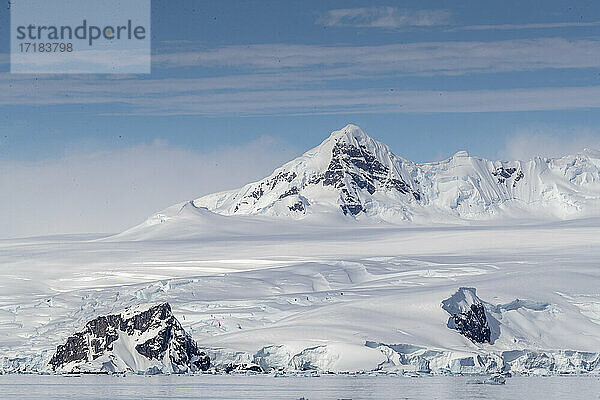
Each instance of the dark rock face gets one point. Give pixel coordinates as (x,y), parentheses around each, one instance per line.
(471,316)
(298,206)
(350,203)
(267,185)
(293,190)
(519,176)
(505,173)
(98,337)
(365,172)
(352,168)
(473,324)
(244,367)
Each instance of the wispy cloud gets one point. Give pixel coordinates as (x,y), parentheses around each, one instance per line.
(384,17)
(392,17)
(409,59)
(510,27)
(109,191)
(529,142)
(207,97)
(291,102)
(84,61)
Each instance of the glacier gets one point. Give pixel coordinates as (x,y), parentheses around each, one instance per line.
(347,259)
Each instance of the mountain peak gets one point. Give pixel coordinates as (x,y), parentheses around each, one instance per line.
(350,132)
(353,137)
(349,171)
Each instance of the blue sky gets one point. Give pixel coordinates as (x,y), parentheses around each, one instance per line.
(499,79)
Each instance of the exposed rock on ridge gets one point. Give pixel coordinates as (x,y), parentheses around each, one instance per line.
(146,340)
(472,323)
(468,316)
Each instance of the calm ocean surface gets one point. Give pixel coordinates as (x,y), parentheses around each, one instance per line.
(311,388)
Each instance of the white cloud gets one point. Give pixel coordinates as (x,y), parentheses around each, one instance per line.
(384,17)
(109,191)
(510,27)
(547,142)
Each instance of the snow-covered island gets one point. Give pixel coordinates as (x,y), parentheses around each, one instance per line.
(346,259)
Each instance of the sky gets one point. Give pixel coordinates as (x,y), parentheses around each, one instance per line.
(238,88)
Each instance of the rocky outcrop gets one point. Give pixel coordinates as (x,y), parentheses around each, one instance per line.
(468,316)
(472,323)
(140,339)
(478,320)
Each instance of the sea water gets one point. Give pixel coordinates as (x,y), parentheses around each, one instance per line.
(311,388)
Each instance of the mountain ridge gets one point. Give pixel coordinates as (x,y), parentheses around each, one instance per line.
(353,175)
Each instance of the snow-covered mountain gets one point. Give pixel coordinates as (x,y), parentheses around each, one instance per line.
(351,174)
